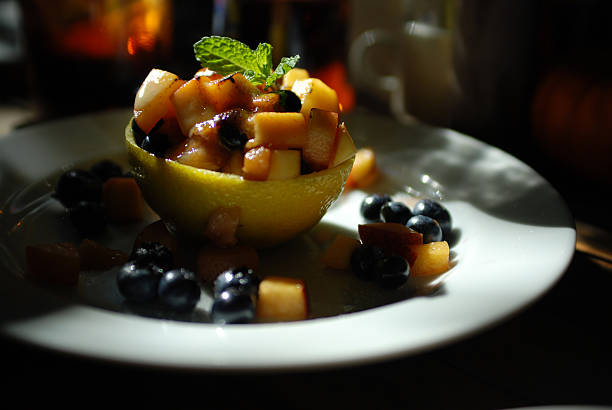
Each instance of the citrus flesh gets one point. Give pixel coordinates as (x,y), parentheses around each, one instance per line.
(271,212)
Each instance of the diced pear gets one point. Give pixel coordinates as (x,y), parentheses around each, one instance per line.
(278,130)
(314,93)
(292,76)
(431,259)
(152,98)
(257,164)
(190,106)
(282,299)
(284,164)
(234,91)
(317,151)
(344,147)
(338,254)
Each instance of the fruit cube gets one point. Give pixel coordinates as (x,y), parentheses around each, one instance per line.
(203,150)
(338,254)
(431,259)
(284,164)
(95,256)
(292,76)
(256,164)
(344,147)
(213,260)
(55,263)
(364,171)
(122,199)
(221,226)
(391,238)
(282,299)
(234,163)
(189,106)
(153,98)
(157,232)
(267,102)
(322,129)
(314,93)
(279,130)
(233,91)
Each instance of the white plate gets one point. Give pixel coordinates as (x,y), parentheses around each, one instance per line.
(514,238)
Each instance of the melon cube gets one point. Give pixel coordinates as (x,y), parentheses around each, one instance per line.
(256,164)
(314,93)
(292,76)
(338,254)
(279,130)
(431,259)
(282,299)
(284,164)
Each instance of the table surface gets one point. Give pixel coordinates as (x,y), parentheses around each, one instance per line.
(556,352)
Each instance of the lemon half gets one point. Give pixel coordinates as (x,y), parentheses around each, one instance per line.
(272,212)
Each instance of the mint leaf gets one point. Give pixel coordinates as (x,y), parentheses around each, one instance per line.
(228,56)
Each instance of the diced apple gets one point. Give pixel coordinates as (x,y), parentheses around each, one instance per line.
(234,91)
(282,299)
(190,106)
(344,147)
(284,164)
(391,238)
(317,152)
(153,96)
(431,259)
(338,254)
(364,171)
(95,256)
(314,93)
(157,232)
(213,260)
(257,164)
(292,76)
(55,263)
(278,130)
(122,200)
(221,226)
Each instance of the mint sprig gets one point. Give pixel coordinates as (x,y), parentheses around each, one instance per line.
(226,56)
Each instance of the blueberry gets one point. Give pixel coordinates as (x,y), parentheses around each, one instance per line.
(429,227)
(436,211)
(106,169)
(233,306)
(137,283)
(88,218)
(370,206)
(78,185)
(179,290)
(155,253)
(394,272)
(230,135)
(242,278)
(289,101)
(366,260)
(396,212)
(156,144)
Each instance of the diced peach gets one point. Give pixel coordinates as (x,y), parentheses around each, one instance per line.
(122,199)
(317,152)
(153,96)
(157,232)
(189,106)
(95,256)
(234,91)
(314,93)
(257,164)
(431,259)
(282,299)
(338,254)
(284,164)
(213,260)
(292,76)
(221,226)
(56,263)
(343,148)
(365,171)
(279,130)
(391,238)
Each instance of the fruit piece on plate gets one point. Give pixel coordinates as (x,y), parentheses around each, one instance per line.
(55,263)
(292,76)
(122,199)
(190,106)
(279,130)
(343,148)
(95,256)
(213,260)
(431,259)
(221,227)
(322,127)
(314,93)
(153,98)
(284,164)
(391,238)
(282,299)
(365,171)
(157,232)
(256,165)
(233,91)
(338,254)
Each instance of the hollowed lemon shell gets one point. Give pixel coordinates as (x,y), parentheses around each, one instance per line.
(272,212)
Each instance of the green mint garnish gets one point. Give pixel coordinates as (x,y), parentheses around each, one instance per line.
(226,56)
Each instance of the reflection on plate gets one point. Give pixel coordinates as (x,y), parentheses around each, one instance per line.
(514,239)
